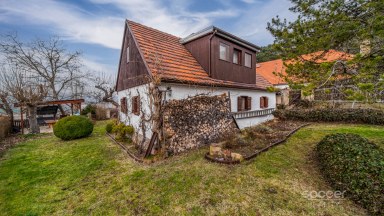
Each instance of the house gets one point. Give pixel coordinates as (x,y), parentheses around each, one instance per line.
(274,72)
(208,62)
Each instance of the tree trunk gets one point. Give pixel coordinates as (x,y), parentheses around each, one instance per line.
(33,125)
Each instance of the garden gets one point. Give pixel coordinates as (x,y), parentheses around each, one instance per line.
(92,175)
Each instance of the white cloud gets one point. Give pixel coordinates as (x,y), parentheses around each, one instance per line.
(81,26)
(69,21)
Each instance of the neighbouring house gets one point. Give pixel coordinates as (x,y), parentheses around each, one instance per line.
(274,71)
(210,62)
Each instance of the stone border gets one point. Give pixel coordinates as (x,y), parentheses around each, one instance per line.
(258,152)
(130,154)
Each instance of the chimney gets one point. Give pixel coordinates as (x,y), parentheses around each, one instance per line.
(365,47)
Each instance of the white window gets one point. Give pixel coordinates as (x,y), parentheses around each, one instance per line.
(224,52)
(127,54)
(236,56)
(248,60)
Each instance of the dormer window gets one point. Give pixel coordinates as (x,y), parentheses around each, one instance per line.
(224,52)
(128,54)
(248,60)
(236,56)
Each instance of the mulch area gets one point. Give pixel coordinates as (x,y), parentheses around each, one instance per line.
(256,138)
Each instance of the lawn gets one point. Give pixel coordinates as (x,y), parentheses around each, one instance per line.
(45,176)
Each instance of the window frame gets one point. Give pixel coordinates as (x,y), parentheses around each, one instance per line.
(136,105)
(245,60)
(123,105)
(247,101)
(228,56)
(239,56)
(264,102)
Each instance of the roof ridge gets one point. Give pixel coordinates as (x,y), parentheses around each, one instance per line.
(153,29)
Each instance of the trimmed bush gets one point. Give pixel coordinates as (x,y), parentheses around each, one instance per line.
(122,131)
(89,109)
(109,127)
(73,127)
(366,116)
(355,165)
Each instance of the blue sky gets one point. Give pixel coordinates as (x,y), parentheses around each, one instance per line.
(95,27)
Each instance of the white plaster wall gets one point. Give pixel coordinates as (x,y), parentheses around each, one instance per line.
(130,118)
(183,91)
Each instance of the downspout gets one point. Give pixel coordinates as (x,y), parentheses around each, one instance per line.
(209,60)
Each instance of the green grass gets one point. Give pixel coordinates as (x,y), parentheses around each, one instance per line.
(48,176)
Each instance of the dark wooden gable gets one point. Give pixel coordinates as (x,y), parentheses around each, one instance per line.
(134,72)
(206,52)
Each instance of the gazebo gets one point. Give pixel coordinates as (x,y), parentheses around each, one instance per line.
(50,108)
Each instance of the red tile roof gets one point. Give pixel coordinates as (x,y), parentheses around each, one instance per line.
(168,58)
(267,69)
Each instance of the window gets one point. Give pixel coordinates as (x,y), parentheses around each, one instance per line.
(127,54)
(244,103)
(136,105)
(263,102)
(224,52)
(248,60)
(236,56)
(123,105)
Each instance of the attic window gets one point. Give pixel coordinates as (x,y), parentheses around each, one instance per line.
(128,54)
(224,52)
(248,60)
(236,56)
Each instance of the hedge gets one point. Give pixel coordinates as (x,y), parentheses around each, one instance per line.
(73,127)
(366,116)
(355,165)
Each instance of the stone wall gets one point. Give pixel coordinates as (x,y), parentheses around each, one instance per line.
(5,126)
(196,121)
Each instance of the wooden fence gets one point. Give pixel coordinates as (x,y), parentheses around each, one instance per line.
(17,124)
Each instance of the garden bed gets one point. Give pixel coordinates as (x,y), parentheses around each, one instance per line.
(253,140)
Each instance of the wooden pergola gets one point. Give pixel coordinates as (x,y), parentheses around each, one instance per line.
(76,103)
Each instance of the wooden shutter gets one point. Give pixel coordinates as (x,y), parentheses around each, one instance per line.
(136,105)
(261,102)
(266,102)
(239,103)
(123,105)
(249,103)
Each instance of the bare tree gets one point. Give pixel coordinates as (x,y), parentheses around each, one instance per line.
(47,59)
(105,89)
(26,89)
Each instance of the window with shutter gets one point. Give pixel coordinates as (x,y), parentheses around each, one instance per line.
(249,103)
(262,102)
(239,104)
(128,54)
(265,102)
(123,105)
(136,105)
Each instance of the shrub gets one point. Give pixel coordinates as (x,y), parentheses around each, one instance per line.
(109,127)
(352,163)
(101,113)
(73,127)
(122,131)
(89,109)
(367,116)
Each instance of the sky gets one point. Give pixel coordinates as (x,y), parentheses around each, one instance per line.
(95,27)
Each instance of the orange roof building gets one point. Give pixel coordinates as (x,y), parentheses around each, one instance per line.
(271,70)
(210,62)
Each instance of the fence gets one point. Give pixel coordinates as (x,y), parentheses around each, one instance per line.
(17,124)
(250,114)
